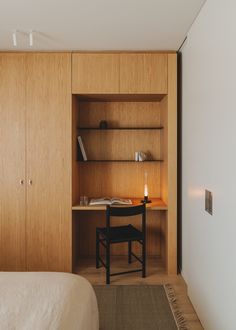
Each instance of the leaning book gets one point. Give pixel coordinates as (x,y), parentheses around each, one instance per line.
(82,150)
(110,201)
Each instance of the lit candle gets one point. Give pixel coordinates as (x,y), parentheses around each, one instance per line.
(145,200)
(145,190)
(145,185)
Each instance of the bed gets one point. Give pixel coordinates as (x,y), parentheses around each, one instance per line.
(46,301)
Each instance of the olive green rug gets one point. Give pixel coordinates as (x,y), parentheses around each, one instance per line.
(138,307)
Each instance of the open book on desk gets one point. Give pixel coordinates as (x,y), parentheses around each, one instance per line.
(110,201)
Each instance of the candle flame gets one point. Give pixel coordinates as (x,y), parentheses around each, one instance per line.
(146,190)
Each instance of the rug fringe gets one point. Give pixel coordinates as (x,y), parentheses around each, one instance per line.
(178,316)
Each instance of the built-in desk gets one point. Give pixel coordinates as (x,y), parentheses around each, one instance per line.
(87,218)
(157,204)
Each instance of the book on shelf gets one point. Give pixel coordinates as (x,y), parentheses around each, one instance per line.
(110,201)
(81,150)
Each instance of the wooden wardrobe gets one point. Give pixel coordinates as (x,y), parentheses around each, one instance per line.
(46,101)
(35,165)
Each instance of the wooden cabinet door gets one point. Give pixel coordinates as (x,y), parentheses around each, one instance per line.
(143,73)
(95,73)
(48,90)
(12,162)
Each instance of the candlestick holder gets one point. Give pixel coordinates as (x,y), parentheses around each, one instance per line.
(146,200)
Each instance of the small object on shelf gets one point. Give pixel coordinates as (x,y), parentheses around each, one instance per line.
(81,201)
(145,200)
(84,201)
(142,156)
(103,124)
(82,150)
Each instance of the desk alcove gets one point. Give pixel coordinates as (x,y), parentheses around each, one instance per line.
(139,121)
(87,218)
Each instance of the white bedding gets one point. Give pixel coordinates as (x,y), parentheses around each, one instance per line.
(46,301)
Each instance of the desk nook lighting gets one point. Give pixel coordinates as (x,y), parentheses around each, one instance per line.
(145,200)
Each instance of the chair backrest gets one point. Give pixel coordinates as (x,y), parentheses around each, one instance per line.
(114,211)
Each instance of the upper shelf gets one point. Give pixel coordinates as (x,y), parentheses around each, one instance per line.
(119,128)
(120,97)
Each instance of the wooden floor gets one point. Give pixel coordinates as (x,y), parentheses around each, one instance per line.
(155,275)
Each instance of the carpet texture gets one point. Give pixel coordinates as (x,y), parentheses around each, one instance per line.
(137,307)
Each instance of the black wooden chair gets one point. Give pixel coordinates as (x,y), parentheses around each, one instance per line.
(111,235)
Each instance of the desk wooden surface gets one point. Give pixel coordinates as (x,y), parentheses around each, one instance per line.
(157,204)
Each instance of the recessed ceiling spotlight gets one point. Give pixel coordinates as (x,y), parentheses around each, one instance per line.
(14,38)
(31,40)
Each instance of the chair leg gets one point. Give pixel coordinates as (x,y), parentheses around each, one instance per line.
(97,250)
(144,258)
(129,252)
(107,262)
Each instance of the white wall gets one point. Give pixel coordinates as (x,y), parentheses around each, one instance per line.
(209,161)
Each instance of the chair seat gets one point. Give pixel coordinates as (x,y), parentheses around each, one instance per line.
(122,233)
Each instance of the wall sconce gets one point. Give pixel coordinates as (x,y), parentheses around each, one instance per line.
(145,200)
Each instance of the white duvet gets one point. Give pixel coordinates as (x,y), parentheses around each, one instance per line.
(46,301)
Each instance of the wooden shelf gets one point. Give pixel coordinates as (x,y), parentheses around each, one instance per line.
(156,205)
(118,128)
(118,160)
(120,97)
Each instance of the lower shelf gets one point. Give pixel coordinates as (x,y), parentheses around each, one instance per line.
(157,204)
(119,160)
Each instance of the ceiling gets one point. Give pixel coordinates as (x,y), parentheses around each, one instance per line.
(97,24)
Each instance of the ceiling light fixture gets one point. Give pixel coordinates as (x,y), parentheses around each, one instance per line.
(31,41)
(14,38)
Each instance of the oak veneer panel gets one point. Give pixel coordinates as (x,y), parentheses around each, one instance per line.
(75,177)
(171,232)
(12,164)
(95,73)
(119,114)
(118,179)
(168,170)
(87,222)
(75,163)
(121,144)
(164,177)
(48,91)
(143,73)
(99,179)
(164,149)
(163,237)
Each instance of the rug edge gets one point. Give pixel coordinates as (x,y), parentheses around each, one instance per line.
(174,306)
